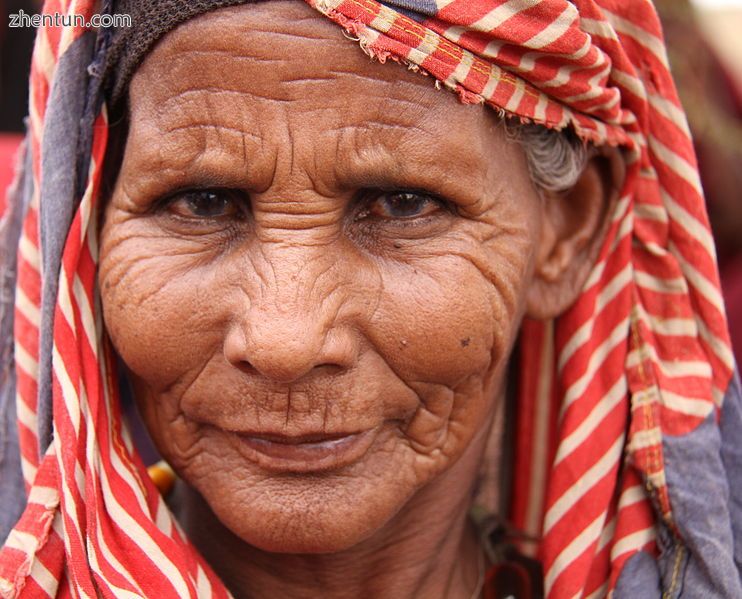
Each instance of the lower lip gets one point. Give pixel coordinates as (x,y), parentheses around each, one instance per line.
(316,456)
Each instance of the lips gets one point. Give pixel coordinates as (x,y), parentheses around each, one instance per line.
(311,452)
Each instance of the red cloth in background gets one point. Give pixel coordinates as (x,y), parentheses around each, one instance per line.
(9,143)
(713,103)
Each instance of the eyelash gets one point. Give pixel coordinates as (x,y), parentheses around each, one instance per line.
(367,213)
(367,198)
(234,198)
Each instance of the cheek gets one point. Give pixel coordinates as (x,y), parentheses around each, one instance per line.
(435,322)
(446,326)
(158,306)
(446,318)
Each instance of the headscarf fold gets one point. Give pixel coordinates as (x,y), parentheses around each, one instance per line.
(625,463)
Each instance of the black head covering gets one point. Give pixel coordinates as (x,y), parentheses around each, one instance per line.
(150,20)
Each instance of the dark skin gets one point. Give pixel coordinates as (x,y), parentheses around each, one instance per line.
(314,270)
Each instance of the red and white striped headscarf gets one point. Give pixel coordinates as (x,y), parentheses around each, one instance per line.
(642,354)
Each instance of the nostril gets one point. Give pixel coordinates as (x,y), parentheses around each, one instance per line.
(329,369)
(275,357)
(286,357)
(340,350)
(236,351)
(245,367)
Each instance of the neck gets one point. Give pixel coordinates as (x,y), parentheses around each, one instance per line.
(429,549)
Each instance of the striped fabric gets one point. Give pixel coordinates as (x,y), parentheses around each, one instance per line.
(645,344)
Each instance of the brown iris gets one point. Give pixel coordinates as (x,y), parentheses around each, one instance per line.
(401,205)
(205,204)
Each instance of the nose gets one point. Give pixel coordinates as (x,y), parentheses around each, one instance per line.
(303,308)
(285,344)
(299,318)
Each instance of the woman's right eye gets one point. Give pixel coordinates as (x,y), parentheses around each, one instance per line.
(207,204)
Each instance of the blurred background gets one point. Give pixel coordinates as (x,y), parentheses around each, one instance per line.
(704,42)
(721,23)
(15,58)
(705,49)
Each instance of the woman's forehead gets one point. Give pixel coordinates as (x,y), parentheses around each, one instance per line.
(250,81)
(279,52)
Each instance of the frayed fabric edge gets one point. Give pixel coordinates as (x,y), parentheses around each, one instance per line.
(359,32)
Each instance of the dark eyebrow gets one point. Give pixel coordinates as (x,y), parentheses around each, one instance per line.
(411,156)
(392,157)
(398,146)
(186,163)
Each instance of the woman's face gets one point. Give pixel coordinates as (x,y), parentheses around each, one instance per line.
(314,267)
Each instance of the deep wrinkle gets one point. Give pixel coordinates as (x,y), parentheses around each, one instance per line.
(300,320)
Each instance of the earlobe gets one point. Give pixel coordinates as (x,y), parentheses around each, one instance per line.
(574,223)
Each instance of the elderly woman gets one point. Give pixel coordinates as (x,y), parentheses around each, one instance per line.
(314,268)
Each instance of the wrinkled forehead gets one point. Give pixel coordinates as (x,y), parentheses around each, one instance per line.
(258,67)
(277,47)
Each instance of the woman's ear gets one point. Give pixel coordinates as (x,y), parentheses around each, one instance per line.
(574,223)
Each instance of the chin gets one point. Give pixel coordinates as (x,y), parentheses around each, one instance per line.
(312,539)
(306,514)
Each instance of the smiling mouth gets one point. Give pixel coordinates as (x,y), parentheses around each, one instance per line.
(304,453)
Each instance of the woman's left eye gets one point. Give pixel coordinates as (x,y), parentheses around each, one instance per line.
(205,204)
(402,205)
